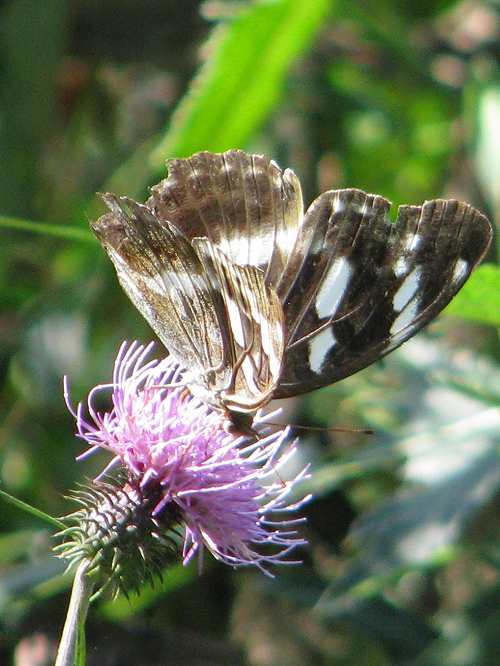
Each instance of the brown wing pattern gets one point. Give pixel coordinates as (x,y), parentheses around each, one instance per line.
(244,204)
(255,318)
(220,320)
(257,300)
(366,285)
(164,278)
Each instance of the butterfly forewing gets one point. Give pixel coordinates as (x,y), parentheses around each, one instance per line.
(367,285)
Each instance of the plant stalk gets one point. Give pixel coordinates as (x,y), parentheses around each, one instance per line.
(71,650)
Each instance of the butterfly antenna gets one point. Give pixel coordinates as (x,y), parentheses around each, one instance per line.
(360,431)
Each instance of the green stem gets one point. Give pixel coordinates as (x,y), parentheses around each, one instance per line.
(61,231)
(19,504)
(71,650)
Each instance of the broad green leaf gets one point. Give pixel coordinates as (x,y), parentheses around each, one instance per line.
(174,578)
(243,80)
(479,299)
(235,90)
(487,108)
(415,530)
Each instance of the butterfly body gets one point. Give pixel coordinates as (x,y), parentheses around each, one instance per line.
(258,300)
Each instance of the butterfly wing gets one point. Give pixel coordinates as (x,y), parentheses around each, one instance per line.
(243,204)
(233,277)
(164,278)
(255,320)
(363,285)
(214,317)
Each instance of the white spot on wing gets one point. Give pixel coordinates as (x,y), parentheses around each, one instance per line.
(333,288)
(412,242)
(319,346)
(269,340)
(235,322)
(405,317)
(407,289)
(238,248)
(400,267)
(249,374)
(460,270)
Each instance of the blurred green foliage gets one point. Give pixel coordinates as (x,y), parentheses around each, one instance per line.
(399,98)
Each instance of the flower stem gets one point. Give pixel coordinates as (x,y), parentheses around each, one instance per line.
(71,650)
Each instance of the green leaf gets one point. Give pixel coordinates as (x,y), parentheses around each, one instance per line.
(479,299)
(487,154)
(234,91)
(174,577)
(242,82)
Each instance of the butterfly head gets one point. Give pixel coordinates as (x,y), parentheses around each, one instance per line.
(233,422)
(237,423)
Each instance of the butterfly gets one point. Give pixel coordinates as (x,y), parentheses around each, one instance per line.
(259,300)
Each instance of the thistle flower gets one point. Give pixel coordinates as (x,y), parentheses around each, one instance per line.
(181,470)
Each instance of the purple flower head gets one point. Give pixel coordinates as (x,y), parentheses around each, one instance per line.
(228,491)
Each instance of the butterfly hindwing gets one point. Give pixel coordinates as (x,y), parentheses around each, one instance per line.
(367,285)
(244,204)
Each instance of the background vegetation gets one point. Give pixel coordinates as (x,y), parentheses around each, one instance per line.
(400,98)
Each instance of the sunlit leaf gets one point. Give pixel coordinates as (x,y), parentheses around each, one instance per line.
(479,299)
(241,83)
(174,578)
(487,155)
(235,90)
